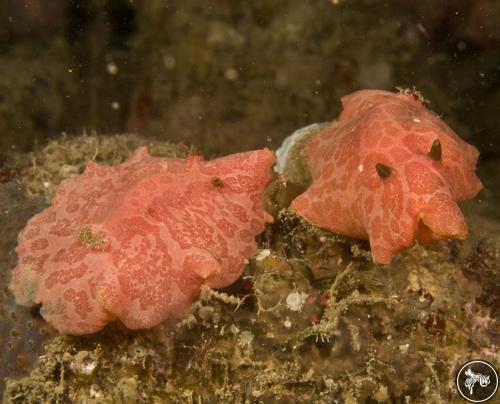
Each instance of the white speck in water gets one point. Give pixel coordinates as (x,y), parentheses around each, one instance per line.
(112,68)
(231,74)
(169,62)
(416,120)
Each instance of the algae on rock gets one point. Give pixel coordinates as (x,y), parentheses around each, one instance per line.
(311,319)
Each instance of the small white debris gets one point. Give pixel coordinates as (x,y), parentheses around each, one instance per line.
(295,300)
(115,105)
(416,120)
(287,323)
(360,168)
(88,368)
(112,68)
(404,348)
(46,184)
(83,364)
(263,254)
(95,391)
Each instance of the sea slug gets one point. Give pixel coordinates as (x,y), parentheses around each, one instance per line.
(136,241)
(390,171)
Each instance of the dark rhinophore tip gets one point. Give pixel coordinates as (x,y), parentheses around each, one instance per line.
(435,152)
(217,182)
(383,171)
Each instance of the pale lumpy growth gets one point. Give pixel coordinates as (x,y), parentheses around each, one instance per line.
(389,171)
(136,241)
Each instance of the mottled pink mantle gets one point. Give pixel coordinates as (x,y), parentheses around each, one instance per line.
(417,199)
(136,241)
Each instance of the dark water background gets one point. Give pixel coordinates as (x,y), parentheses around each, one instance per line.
(235,75)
